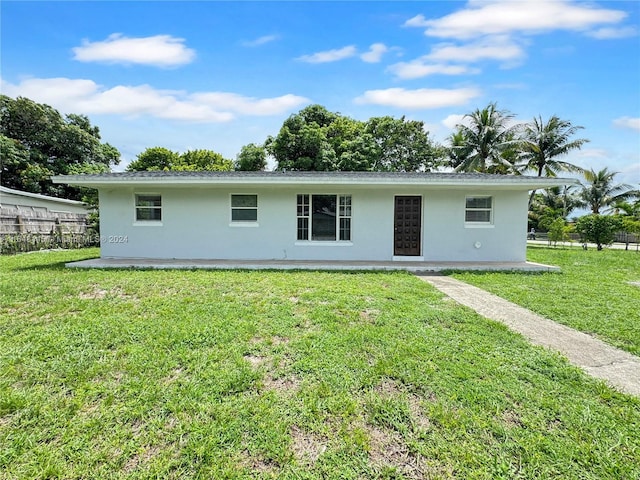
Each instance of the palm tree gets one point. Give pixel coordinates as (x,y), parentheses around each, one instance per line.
(486,136)
(542,143)
(599,191)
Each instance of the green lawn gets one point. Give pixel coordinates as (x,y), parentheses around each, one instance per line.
(597,292)
(293,375)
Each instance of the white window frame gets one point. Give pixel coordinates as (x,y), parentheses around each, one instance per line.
(475,223)
(344,214)
(136,208)
(243,223)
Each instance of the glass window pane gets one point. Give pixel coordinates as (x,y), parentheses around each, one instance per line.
(244,200)
(478,216)
(148,214)
(303,229)
(345,229)
(478,202)
(148,200)
(323,219)
(244,215)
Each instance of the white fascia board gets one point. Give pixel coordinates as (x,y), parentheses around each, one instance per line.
(20,193)
(507,183)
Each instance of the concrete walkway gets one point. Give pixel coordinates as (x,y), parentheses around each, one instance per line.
(618,368)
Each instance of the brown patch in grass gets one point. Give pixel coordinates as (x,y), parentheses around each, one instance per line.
(97,293)
(176,373)
(511,419)
(255,360)
(389,389)
(256,464)
(141,458)
(420,420)
(307,447)
(283,385)
(369,314)
(387,449)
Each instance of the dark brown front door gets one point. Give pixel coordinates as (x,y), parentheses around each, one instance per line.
(407,226)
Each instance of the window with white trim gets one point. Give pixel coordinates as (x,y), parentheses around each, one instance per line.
(479,210)
(148,207)
(324,218)
(244,208)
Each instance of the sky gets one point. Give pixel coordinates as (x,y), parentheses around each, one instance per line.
(220,75)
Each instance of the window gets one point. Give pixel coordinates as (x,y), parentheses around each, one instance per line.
(148,208)
(324,217)
(478,210)
(244,208)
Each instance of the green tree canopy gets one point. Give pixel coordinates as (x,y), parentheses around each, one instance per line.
(543,142)
(160,158)
(154,158)
(599,229)
(252,157)
(600,191)
(37,142)
(316,139)
(489,140)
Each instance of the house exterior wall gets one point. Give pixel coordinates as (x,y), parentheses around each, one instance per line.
(41,202)
(196,224)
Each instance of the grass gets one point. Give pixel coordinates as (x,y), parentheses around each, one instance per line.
(296,375)
(597,292)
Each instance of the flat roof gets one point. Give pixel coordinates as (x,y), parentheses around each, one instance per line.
(65,201)
(294,178)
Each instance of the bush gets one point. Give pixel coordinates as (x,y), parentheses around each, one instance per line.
(29,242)
(599,229)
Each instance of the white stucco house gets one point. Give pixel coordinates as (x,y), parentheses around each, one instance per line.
(26,212)
(313,216)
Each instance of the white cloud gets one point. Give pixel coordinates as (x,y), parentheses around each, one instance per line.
(249,105)
(591,153)
(446,58)
(261,40)
(627,122)
(493,17)
(607,33)
(418,68)
(374,55)
(330,55)
(86,96)
(159,51)
(492,48)
(453,120)
(419,99)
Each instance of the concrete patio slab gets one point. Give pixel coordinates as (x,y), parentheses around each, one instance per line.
(192,264)
(618,368)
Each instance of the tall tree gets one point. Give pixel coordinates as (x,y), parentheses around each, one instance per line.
(203,160)
(160,158)
(487,136)
(154,158)
(401,145)
(543,142)
(315,139)
(38,142)
(252,157)
(599,190)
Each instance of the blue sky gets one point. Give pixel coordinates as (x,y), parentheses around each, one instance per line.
(219,75)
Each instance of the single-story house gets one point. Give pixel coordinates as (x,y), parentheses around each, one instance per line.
(26,212)
(314,216)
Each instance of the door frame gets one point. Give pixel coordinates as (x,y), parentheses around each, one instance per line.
(411,258)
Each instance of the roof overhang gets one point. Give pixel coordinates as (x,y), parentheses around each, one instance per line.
(310,179)
(38,196)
